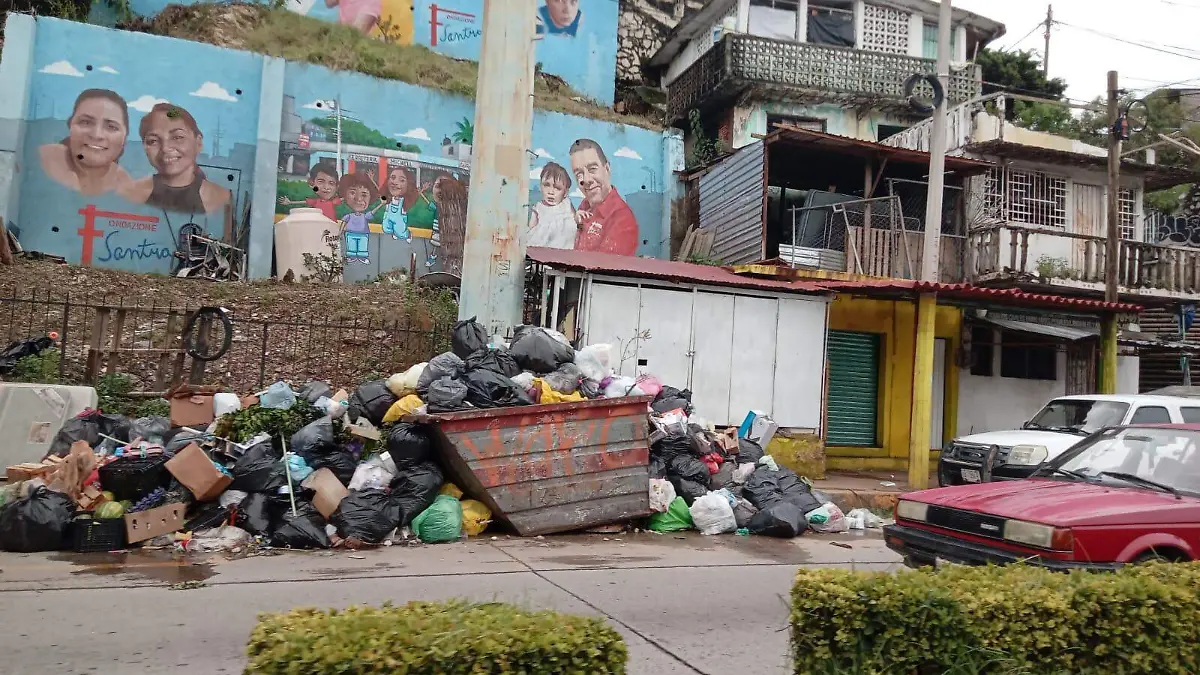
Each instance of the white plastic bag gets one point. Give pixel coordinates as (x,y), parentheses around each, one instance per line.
(769,462)
(593,362)
(232,498)
(829,518)
(743,471)
(712,514)
(861,519)
(226,403)
(374,474)
(524,380)
(403,384)
(662,493)
(620,387)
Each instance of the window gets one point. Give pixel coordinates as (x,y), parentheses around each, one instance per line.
(1028,357)
(810,123)
(773,18)
(885,29)
(1126,210)
(1150,414)
(885,131)
(1029,197)
(831,22)
(982,351)
(929,41)
(1082,416)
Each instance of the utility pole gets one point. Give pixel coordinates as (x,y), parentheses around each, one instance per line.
(493,275)
(1046,54)
(937,154)
(1108,332)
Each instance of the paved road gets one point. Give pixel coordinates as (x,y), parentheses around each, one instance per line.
(685,604)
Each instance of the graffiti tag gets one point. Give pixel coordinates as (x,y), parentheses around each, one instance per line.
(1178,230)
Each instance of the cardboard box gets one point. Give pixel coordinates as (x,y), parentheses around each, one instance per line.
(728,440)
(149,524)
(758,427)
(329,491)
(192,406)
(196,471)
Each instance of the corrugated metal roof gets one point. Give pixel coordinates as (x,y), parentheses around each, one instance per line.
(1157,176)
(787,134)
(667,270)
(1007,296)
(1063,332)
(731,205)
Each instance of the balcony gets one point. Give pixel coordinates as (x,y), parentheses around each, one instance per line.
(1019,254)
(802,71)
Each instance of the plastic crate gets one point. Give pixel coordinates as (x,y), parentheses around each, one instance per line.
(133,477)
(95,535)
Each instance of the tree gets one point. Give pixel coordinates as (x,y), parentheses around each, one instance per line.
(355,133)
(1020,73)
(464,132)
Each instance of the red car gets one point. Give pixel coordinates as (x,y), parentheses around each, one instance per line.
(1122,495)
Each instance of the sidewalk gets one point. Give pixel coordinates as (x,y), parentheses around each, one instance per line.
(877,490)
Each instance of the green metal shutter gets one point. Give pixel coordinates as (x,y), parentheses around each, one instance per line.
(853,403)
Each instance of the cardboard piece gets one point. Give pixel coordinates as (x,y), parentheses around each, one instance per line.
(191,467)
(149,524)
(90,498)
(248,401)
(369,433)
(329,491)
(192,406)
(728,440)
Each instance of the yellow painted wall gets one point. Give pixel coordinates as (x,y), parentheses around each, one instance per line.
(895,320)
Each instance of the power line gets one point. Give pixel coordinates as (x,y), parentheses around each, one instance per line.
(1193,57)
(1031,31)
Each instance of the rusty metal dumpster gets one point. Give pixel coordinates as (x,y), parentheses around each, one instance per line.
(550,468)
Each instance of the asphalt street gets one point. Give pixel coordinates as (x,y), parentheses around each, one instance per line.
(685,603)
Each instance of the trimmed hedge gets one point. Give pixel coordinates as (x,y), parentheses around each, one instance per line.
(1014,619)
(424,638)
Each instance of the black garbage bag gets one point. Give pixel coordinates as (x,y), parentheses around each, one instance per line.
(749,451)
(765,488)
(446,395)
(539,352)
(341,463)
(88,426)
(257,513)
(153,430)
(306,529)
(315,439)
(743,511)
(414,489)
(781,519)
(371,400)
(690,490)
(688,467)
(658,466)
(205,516)
(366,515)
(486,389)
(38,522)
(670,399)
(19,349)
(672,445)
(443,365)
(468,337)
(259,469)
(409,444)
(495,360)
(313,391)
(722,478)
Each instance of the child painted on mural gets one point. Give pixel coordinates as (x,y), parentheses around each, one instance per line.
(559,17)
(323,180)
(402,196)
(358,191)
(552,223)
(424,216)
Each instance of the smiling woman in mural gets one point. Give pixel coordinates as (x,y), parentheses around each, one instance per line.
(402,193)
(606,223)
(86,160)
(559,17)
(172,141)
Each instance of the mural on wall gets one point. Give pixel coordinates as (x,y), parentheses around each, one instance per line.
(391,166)
(126,152)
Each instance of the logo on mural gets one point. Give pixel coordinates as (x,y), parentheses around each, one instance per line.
(451,25)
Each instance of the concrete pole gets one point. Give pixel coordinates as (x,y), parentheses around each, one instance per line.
(937,154)
(493,275)
(922,393)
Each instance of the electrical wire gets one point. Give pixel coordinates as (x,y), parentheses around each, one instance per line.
(1031,31)
(1193,57)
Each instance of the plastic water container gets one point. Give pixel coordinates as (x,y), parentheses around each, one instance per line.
(301,231)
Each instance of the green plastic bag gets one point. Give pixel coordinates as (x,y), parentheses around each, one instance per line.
(442,521)
(675,519)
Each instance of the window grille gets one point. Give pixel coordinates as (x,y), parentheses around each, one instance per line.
(885,30)
(1029,197)
(1126,210)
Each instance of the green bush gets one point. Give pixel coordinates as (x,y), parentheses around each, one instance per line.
(1015,619)
(426,638)
(36,368)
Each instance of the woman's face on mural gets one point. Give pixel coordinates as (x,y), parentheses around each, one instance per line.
(553,191)
(563,12)
(398,183)
(358,199)
(97,133)
(437,187)
(171,146)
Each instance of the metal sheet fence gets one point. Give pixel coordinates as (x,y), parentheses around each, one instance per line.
(98,335)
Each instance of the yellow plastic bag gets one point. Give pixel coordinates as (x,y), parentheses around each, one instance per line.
(476,517)
(404,406)
(452,490)
(551,396)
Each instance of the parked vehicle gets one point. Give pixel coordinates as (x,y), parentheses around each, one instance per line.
(1062,423)
(1124,495)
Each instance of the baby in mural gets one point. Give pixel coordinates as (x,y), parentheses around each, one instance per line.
(358,191)
(323,180)
(552,223)
(402,190)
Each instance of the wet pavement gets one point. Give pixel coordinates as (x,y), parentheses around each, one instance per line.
(685,603)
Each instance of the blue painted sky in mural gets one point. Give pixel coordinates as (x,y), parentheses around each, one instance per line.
(142,70)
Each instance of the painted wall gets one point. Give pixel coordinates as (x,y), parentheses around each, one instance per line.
(577,38)
(895,321)
(998,403)
(751,119)
(124,149)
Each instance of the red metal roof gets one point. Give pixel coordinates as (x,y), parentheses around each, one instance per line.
(1005,296)
(667,270)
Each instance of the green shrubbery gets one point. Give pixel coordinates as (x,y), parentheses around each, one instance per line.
(426,638)
(1003,620)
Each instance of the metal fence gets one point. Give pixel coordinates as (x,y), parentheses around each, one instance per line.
(144,342)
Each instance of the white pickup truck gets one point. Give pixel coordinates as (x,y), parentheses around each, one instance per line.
(1062,423)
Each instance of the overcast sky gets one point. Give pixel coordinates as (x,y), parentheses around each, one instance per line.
(1083,59)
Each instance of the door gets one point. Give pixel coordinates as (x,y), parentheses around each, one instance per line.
(712,359)
(752,360)
(611,321)
(1081,369)
(852,408)
(1090,212)
(800,363)
(937,418)
(667,353)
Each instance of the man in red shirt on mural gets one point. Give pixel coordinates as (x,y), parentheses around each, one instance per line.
(606,223)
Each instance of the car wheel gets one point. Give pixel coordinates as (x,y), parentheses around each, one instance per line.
(1152,556)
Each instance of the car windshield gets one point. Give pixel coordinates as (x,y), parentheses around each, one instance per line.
(1079,416)
(1147,457)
